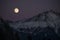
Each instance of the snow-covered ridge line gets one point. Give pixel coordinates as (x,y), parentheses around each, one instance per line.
(42,20)
(45,19)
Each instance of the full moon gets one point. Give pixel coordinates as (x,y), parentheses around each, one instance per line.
(16,10)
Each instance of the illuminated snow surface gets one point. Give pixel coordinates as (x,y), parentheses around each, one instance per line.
(41,20)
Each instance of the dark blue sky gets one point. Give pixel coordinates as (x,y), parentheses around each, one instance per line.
(28,8)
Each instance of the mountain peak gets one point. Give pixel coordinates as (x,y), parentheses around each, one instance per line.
(42,16)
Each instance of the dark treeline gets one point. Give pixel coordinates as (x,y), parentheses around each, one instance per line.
(8,33)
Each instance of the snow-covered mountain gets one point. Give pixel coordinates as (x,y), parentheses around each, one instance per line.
(45,24)
(45,19)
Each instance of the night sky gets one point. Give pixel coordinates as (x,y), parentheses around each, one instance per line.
(28,8)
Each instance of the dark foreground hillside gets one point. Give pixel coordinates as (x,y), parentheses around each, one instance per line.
(44,26)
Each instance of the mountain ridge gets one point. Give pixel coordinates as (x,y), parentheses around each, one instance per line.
(43,13)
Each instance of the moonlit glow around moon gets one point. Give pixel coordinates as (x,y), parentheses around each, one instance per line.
(16,10)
